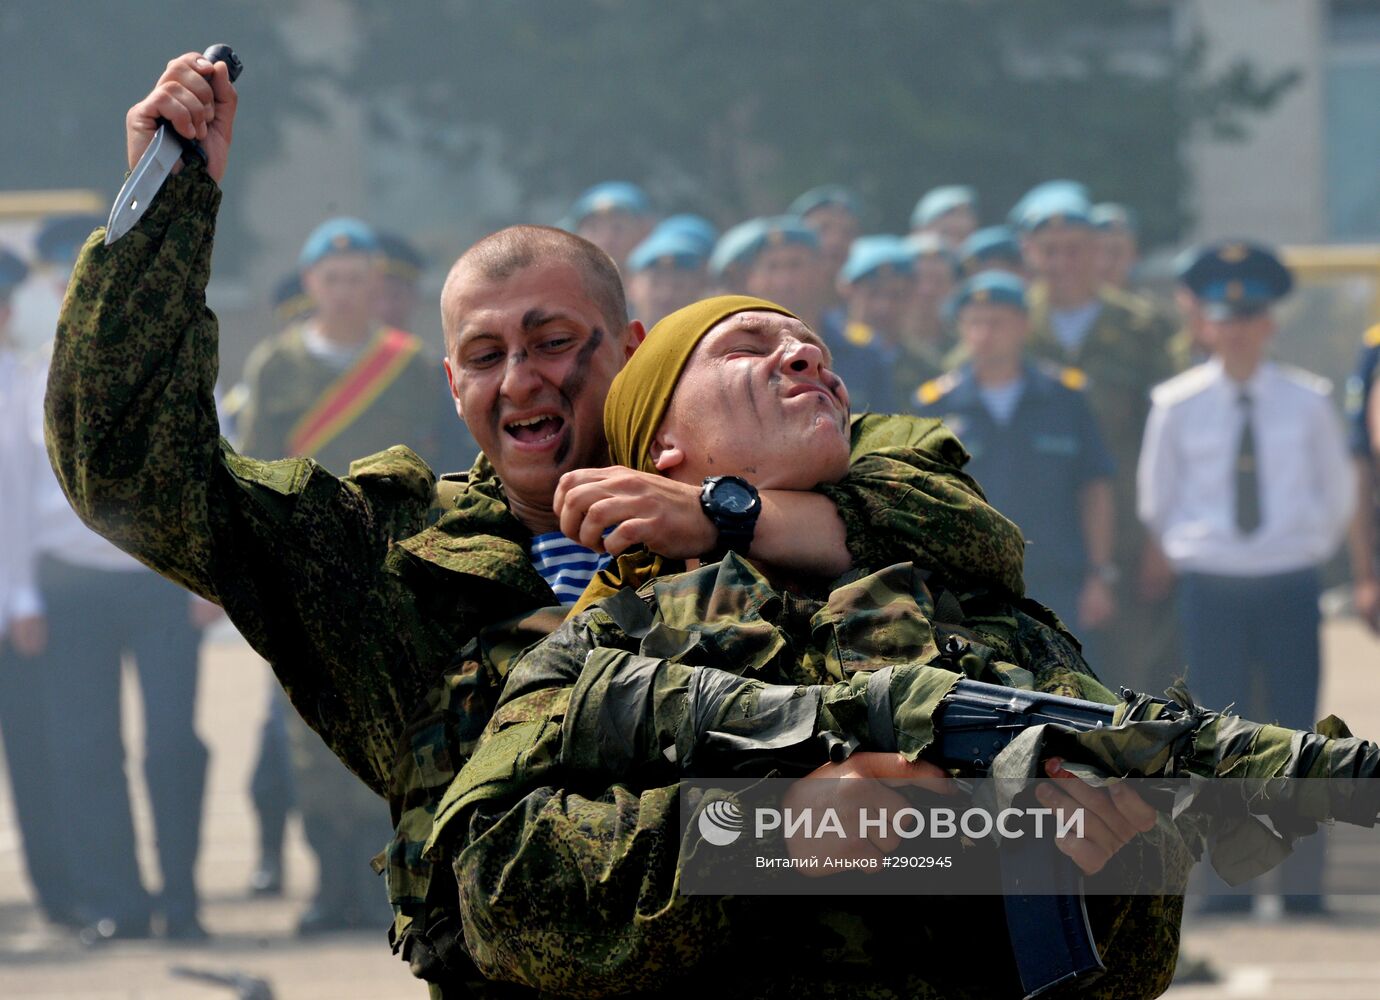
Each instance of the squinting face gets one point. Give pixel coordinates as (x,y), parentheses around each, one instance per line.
(994,335)
(530,362)
(757,400)
(342,286)
(615,233)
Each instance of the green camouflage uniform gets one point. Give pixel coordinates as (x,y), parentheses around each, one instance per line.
(362,591)
(574,890)
(1124,356)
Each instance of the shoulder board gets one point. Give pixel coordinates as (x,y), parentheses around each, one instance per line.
(1182,386)
(235,400)
(1372,337)
(935,389)
(858,334)
(1307,380)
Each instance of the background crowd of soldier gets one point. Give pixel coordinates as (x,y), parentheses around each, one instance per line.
(1028,337)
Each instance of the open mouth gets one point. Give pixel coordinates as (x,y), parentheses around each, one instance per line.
(536,430)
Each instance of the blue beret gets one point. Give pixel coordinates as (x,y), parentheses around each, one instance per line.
(996,287)
(938,201)
(1055,208)
(1237,278)
(12,272)
(695,227)
(60,239)
(870,254)
(335,236)
(827,194)
(610,196)
(400,257)
(931,245)
(735,246)
(992,243)
(667,248)
(1070,190)
(291,303)
(1110,215)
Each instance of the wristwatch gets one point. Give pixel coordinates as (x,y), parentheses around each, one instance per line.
(733,505)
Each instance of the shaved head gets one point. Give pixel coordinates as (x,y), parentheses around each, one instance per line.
(498,257)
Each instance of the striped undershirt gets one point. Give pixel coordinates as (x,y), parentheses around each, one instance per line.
(567,566)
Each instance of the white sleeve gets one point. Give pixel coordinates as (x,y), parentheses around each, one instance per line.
(1335,476)
(1155,471)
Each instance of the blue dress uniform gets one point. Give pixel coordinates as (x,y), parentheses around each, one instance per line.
(1051,441)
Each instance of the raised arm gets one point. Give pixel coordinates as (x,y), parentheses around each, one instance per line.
(299,559)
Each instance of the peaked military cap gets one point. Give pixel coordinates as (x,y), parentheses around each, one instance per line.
(337,236)
(1237,278)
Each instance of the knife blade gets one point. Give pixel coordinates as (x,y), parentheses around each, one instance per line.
(167,149)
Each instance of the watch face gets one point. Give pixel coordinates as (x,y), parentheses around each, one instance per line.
(733,497)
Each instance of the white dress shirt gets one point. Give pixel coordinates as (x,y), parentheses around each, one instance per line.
(1186,480)
(22,466)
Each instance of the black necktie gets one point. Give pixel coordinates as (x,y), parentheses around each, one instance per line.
(1247,480)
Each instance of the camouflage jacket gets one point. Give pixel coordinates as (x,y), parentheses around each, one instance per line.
(363,591)
(568,866)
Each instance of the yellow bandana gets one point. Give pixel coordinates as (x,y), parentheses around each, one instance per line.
(641,392)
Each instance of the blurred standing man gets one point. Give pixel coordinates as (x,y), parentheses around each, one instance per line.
(25,708)
(1363,416)
(1026,422)
(665,272)
(335,386)
(1077,320)
(400,275)
(951,212)
(615,216)
(1245,481)
(1117,245)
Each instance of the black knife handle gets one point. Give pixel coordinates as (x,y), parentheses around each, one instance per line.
(220,52)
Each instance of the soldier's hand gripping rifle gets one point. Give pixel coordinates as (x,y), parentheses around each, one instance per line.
(713,723)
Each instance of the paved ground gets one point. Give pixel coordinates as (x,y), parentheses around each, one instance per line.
(1334,959)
